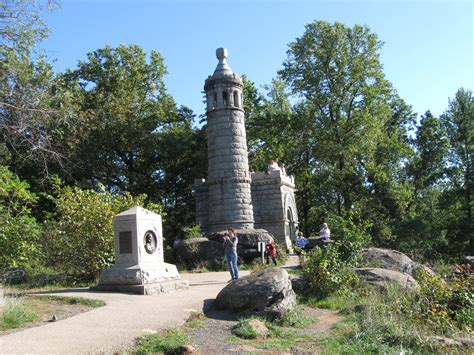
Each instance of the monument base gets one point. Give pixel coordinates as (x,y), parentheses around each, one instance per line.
(142,279)
(146,289)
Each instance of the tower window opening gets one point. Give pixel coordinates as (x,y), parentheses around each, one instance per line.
(215,101)
(236,99)
(225,98)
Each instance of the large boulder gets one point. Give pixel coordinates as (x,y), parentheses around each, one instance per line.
(248,238)
(388,259)
(265,292)
(196,250)
(380,277)
(210,249)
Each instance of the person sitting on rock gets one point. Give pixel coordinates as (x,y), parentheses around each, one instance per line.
(324,233)
(270,251)
(301,241)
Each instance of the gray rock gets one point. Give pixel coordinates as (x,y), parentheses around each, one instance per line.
(468,260)
(388,259)
(460,342)
(298,283)
(265,292)
(248,238)
(425,268)
(380,277)
(193,251)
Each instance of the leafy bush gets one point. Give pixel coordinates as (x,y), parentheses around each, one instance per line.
(79,235)
(330,268)
(192,232)
(445,305)
(19,231)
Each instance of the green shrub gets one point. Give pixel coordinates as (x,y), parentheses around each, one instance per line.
(79,235)
(330,268)
(19,231)
(192,232)
(169,342)
(446,306)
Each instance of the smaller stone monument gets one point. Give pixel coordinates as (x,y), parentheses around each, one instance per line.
(139,262)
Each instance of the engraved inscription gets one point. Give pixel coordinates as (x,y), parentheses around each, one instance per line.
(125,242)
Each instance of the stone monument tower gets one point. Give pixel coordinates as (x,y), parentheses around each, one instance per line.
(229,191)
(232,196)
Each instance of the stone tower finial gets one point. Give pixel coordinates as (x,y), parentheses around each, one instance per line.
(222,54)
(222,67)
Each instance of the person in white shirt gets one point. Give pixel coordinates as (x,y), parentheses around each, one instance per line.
(325,232)
(273,166)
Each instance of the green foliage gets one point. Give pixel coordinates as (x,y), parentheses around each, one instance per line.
(79,236)
(19,231)
(446,306)
(192,232)
(13,314)
(169,342)
(331,268)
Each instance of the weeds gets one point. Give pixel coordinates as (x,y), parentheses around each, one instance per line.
(74,300)
(170,341)
(13,314)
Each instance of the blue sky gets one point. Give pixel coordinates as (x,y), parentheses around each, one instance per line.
(427,55)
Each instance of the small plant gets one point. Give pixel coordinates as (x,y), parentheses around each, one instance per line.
(196,320)
(295,318)
(171,341)
(13,314)
(244,330)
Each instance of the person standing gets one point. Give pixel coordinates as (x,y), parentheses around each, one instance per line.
(230,252)
(270,251)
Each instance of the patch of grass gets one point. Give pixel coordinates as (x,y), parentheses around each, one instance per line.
(196,320)
(295,318)
(74,300)
(13,314)
(279,338)
(168,342)
(244,330)
(335,302)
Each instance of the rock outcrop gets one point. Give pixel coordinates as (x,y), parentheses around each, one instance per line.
(210,249)
(381,277)
(388,259)
(266,292)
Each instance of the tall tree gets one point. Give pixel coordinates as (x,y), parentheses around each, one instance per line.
(122,107)
(346,106)
(459,123)
(30,118)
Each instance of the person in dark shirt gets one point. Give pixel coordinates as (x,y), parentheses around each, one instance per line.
(230,252)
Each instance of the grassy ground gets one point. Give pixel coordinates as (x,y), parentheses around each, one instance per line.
(21,312)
